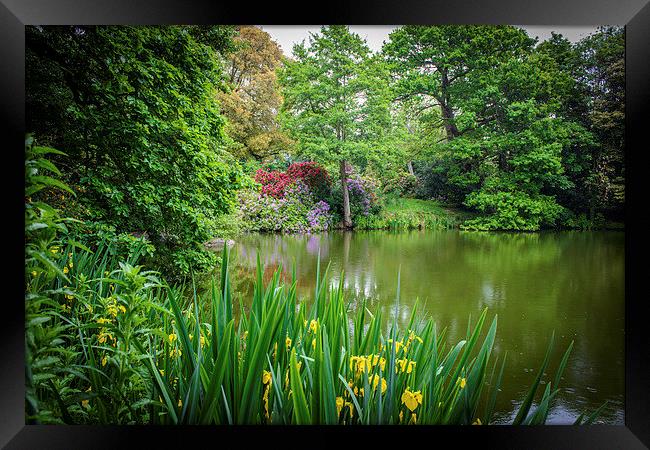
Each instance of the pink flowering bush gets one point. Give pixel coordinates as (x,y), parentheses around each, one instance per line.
(275,183)
(295,212)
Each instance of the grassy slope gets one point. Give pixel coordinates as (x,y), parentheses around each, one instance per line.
(410,213)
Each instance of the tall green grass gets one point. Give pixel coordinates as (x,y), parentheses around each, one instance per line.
(281,362)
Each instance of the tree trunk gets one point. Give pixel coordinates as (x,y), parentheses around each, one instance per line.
(409,165)
(347,219)
(447,110)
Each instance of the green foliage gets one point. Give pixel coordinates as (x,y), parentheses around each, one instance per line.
(134,108)
(408,214)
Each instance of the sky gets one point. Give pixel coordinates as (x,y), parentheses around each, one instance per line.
(289,35)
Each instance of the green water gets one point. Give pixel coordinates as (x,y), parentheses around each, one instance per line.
(570,282)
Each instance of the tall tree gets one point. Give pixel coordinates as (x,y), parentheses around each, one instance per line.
(329,98)
(134,109)
(498,105)
(253,101)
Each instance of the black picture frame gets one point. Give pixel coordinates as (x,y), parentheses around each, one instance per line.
(634,14)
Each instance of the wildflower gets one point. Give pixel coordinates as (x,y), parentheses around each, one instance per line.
(245,335)
(361,392)
(34,273)
(122,308)
(414,419)
(351,406)
(70,264)
(202,341)
(463,381)
(54,250)
(65,269)
(69,297)
(313,343)
(375,383)
(313,326)
(288,342)
(85,403)
(104,360)
(411,399)
(180,403)
(172,337)
(404,365)
(162,372)
(266,377)
(175,353)
(339,405)
(477,422)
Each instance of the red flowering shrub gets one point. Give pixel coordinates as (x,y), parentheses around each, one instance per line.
(275,182)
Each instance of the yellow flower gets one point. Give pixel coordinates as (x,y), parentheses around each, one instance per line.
(172,337)
(122,308)
(245,335)
(411,399)
(162,372)
(180,403)
(339,405)
(175,353)
(401,416)
(313,326)
(69,297)
(351,406)
(85,403)
(71,264)
(104,361)
(477,422)
(375,383)
(463,381)
(266,377)
(34,273)
(65,269)
(202,341)
(361,392)
(414,419)
(106,273)
(313,343)
(288,342)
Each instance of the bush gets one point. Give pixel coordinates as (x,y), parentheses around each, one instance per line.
(276,182)
(295,212)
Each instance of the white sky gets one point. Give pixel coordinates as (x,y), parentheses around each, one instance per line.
(289,35)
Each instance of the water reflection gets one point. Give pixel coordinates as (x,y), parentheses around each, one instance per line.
(570,282)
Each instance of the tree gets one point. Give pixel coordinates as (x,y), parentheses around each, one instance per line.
(330,97)
(253,102)
(134,108)
(498,103)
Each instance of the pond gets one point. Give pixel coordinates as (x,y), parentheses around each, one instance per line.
(570,282)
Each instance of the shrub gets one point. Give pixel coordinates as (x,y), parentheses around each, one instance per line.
(276,182)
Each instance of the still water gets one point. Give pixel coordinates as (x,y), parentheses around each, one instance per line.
(570,282)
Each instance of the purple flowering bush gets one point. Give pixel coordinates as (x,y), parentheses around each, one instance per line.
(296,212)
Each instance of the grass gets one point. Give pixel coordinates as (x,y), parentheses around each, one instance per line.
(119,346)
(411,213)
